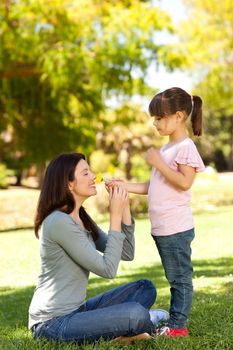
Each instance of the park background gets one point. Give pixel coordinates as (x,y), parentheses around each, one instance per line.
(77,75)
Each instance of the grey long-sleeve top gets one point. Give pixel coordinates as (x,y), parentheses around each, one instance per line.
(68,254)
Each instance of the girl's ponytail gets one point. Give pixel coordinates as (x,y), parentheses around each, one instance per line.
(196,115)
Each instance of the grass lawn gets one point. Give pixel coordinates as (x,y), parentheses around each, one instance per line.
(211,320)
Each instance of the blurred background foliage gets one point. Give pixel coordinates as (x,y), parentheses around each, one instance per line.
(70,71)
(212,193)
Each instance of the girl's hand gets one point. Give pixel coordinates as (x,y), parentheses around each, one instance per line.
(110,183)
(153,157)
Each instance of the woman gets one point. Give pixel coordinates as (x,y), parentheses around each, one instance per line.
(69,245)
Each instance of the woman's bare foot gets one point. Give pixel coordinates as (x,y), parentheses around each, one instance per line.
(129,340)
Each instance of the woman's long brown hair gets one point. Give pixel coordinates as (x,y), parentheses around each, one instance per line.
(55,193)
(176,99)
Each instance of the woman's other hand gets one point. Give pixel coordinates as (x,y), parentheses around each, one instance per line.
(118,201)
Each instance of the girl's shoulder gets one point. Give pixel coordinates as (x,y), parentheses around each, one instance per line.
(187,143)
(184,145)
(188,154)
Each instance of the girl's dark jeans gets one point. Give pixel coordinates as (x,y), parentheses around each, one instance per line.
(175,254)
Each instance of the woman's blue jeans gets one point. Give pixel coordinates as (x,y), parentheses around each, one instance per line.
(121,311)
(175,253)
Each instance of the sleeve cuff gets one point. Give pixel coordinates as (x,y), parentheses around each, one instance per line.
(128,228)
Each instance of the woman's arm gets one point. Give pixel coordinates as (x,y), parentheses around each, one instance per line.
(79,246)
(118,201)
(128,248)
(127,227)
(126,215)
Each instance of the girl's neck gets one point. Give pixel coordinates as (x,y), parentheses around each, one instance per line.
(178,136)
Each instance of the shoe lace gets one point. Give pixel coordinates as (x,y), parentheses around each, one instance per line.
(162,330)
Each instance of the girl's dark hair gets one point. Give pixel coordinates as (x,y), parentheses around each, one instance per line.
(55,193)
(176,99)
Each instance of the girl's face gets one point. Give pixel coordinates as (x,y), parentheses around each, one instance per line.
(166,125)
(83,185)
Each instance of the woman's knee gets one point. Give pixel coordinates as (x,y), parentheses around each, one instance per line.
(149,288)
(139,319)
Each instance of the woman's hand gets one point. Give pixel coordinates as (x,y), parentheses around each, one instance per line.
(118,201)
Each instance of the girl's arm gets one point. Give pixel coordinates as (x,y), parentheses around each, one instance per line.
(137,188)
(183,179)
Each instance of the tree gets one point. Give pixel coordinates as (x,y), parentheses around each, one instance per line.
(60,61)
(206,40)
(126,133)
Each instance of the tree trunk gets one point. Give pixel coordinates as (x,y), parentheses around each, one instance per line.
(230,163)
(40,174)
(128,164)
(19,177)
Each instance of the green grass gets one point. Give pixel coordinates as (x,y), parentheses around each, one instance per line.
(17,207)
(211,320)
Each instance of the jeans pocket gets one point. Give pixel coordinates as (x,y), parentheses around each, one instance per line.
(186,239)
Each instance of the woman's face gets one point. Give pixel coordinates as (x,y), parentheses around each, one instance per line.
(83,185)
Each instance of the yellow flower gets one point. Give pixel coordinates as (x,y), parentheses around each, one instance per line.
(99,178)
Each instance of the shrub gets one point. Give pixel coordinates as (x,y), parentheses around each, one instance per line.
(138,205)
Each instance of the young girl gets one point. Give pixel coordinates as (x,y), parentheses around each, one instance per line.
(173,171)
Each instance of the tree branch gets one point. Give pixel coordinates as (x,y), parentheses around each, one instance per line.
(20,71)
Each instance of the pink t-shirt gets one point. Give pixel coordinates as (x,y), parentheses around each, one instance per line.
(169,207)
